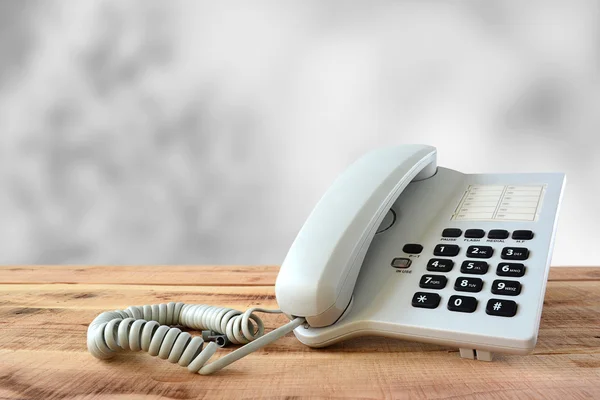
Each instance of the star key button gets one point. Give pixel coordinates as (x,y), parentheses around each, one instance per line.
(426,300)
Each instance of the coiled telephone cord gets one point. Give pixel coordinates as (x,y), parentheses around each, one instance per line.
(148,328)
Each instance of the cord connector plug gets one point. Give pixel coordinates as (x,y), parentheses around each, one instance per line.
(212,336)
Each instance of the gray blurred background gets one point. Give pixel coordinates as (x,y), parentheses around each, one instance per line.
(204,132)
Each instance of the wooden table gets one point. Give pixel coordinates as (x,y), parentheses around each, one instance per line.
(45,312)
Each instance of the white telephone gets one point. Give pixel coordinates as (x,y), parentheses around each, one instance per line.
(396,247)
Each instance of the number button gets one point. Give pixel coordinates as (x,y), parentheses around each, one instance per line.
(480,251)
(474,267)
(501,308)
(514,253)
(446,250)
(462,304)
(425,300)
(507,288)
(440,265)
(510,269)
(464,284)
(433,282)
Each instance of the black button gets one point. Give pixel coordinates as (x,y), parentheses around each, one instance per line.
(451,232)
(514,253)
(507,288)
(412,248)
(474,233)
(440,265)
(474,267)
(510,269)
(522,235)
(433,282)
(497,234)
(401,262)
(502,308)
(480,251)
(426,300)
(446,250)
(462,304)
(464,284)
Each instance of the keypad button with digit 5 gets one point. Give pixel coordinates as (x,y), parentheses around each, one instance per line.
(474,267)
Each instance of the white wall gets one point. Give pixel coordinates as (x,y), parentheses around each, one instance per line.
(205,132)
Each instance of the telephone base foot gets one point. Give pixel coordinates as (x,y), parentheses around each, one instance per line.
(474,354)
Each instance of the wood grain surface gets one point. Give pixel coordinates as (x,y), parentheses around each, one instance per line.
(45,310)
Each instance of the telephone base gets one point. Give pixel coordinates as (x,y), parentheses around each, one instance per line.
(474,354)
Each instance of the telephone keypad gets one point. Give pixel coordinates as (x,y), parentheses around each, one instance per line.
(471,284)
(465,304)
(514,253)
(433,282)
(426,300)
(480,251)
(465,284)
(510,269)
(440,265)
(501,307)
(446,250)
(507,288)
(474,267)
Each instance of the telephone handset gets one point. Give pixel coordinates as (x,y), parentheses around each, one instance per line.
(396,247)
(317,277)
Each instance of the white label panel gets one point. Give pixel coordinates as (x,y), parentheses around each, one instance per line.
(500,203)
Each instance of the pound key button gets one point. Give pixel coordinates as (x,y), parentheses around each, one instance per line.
(501,308)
